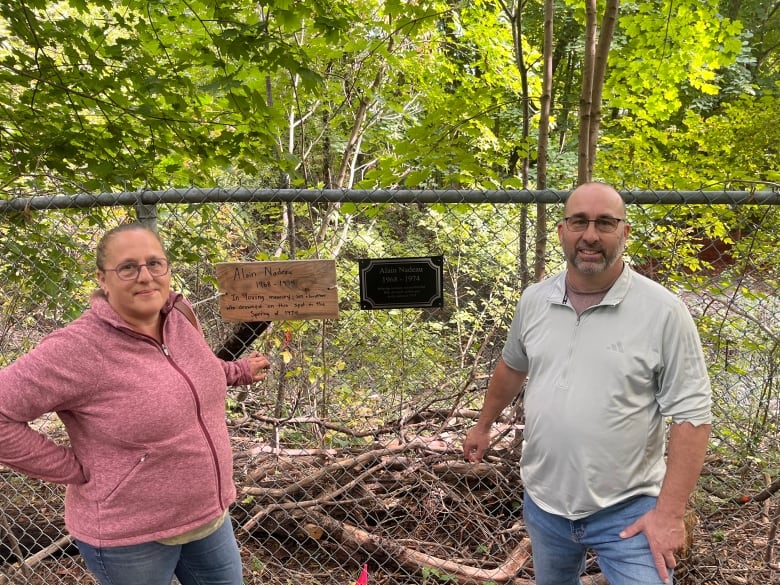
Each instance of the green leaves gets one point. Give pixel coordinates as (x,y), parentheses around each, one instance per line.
(107,95)
(99,93)
(666,47)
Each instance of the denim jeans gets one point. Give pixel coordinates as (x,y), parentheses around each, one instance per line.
(559,545)
(214,560)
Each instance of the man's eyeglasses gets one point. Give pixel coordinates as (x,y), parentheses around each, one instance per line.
(605,225)
(131,270)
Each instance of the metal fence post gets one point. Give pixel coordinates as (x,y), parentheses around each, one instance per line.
(146,214)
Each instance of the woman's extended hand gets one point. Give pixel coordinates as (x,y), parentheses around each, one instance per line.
(257,364)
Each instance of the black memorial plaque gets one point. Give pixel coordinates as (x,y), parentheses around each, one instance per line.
(394,283)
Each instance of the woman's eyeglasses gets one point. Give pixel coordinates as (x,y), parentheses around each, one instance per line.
(131,270)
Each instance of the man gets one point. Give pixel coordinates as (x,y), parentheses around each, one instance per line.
(609,356)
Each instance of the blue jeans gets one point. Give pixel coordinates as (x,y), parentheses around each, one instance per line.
(559,545)
(214,560)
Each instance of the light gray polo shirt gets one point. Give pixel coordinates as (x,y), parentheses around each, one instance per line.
(600,386)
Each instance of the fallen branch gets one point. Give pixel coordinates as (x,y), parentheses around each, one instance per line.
(12,540)
(416,560)
(45,553)
(764,494)
(24,568)
(327,497)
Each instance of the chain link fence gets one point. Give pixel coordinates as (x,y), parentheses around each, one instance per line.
(348,454)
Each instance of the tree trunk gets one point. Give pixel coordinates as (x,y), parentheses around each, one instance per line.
(544,133)
(608,25)
(593,75)
(586,96)
(546,98)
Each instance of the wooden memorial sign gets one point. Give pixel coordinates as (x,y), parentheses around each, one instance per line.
(390,283)
(278,291)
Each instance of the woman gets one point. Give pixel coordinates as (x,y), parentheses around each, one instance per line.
(142,396)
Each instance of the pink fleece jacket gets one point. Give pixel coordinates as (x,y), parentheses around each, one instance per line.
(149,454)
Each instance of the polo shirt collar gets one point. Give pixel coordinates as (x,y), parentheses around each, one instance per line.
(614,295)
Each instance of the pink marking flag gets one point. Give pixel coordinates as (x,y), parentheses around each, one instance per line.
(363,579)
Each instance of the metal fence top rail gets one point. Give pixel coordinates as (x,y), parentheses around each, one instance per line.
(212,195)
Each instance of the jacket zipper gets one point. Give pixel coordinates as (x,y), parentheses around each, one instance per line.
(201,424)
(206,434)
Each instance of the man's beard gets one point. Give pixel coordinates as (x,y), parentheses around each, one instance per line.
(596,266)
(589,266)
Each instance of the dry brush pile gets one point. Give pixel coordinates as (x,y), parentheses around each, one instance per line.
(405,503)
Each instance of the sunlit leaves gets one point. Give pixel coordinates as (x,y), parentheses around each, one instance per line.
(232,88)
(124,85)
(666,47)
(736,147)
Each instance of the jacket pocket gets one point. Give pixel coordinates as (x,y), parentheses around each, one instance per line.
(108,463)
(123,479)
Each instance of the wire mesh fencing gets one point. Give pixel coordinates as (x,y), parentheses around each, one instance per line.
(348,454)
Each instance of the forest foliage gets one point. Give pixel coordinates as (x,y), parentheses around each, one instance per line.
(104,96)
(107,96)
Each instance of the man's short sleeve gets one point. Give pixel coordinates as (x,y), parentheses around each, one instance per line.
(514,354)
(684,392)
